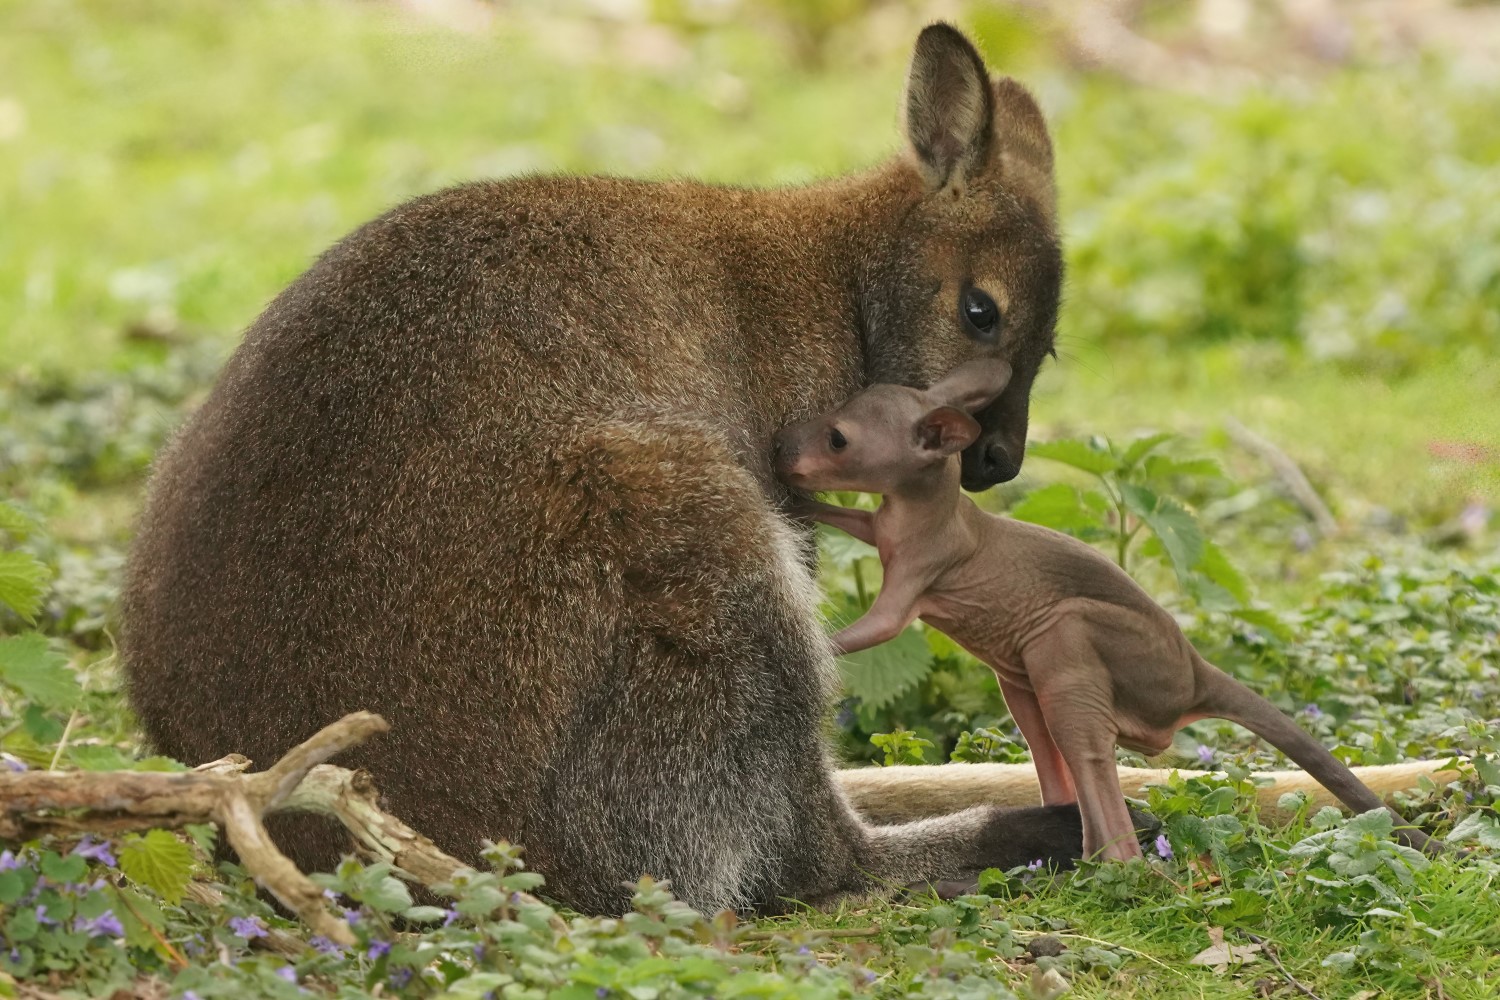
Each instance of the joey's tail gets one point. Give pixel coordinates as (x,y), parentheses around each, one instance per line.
(1221,696)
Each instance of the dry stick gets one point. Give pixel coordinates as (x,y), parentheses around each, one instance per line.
(34,804)
(1288,472)
(31,801)
(1269,950)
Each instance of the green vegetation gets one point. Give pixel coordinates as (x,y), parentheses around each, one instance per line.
(1317,258)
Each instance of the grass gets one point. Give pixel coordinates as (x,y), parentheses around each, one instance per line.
(1317,261)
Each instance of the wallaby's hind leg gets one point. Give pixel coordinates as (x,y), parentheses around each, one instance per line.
(1051,770)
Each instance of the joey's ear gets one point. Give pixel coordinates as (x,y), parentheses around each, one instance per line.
(973,385)
(950,107)
(1025,148)
(946,431)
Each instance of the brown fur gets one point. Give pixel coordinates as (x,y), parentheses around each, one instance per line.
(1086,660)
(497,467)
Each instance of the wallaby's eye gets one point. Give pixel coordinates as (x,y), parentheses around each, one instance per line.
(980,314)
(836,440)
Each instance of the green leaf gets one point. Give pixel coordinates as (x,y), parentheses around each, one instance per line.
(23,926)
(1078,454)
(1171,523)
(1161,467)
(388,894)
(159,861)
(23,582)
(15,522)
(1478,827)
(901,747)
(97,757)
(880,674)
(425,914)
(138,914)
(15,883)
(29,666)
(842,550)
(1059,507)
(1222,575)
(1141,447)
(63,868)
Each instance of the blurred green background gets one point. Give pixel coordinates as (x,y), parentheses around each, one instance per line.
(1296,225)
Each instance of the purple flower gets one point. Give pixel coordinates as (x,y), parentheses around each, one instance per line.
(12,763)
(352,916)
(325,945)
(479,953)
(804,950)
(105,924)
(189,995)
(450,916)
(288,973)
(8,860)
(1205,754)
(602,992)
(1313,712)
(15,956)
(400,977)
(42,918)
(248,927)
(1164,847)
(1036,865)
(88,848)
(378,948)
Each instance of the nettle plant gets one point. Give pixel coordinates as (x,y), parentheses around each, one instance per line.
(1130,510)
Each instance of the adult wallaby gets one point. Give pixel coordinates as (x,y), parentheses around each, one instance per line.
(498,468)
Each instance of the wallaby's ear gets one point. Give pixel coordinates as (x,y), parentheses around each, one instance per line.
(973,385)
(946,431)
(1024,146)
(950,107)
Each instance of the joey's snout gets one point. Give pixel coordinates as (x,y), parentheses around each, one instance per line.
(786,453)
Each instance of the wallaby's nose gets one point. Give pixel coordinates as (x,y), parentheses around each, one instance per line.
(995,465)
(998,466)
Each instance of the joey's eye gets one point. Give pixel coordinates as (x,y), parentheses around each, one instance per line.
(980,314)
(836,440)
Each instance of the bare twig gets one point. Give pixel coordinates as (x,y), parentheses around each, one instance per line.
(1288,472)
(1269,950)
(225,792)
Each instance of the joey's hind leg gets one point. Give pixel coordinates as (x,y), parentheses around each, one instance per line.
(1051,770)
(1077,702)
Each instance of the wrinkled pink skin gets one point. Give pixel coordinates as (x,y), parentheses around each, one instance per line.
(1085,658)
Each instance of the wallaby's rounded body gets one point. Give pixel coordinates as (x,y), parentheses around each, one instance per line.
(497,467)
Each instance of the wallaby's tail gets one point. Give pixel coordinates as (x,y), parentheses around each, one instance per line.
(1220,695)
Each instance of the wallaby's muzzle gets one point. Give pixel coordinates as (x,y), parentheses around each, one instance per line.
(996,456)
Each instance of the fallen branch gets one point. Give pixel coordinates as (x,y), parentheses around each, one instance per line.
(49,803)
(1288,472)
(38,803)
